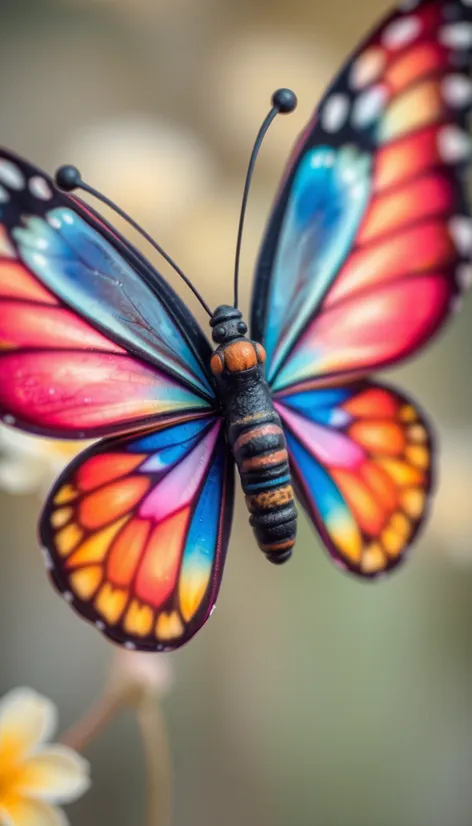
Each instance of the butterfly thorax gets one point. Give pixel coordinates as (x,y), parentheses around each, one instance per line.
(255,434)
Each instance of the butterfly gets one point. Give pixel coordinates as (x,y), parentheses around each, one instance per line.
(366,255)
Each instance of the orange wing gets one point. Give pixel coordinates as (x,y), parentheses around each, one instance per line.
(136,530)
(362,464)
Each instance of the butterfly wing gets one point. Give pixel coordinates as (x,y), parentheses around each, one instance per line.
(368,247)
(361,460)
(92,339)
(136,531)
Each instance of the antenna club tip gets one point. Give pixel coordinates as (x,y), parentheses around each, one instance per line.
(68,178)
(284,100)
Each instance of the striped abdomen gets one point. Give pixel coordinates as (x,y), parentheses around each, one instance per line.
(260,451)
(257,439)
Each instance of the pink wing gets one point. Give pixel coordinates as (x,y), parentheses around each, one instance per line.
(368,250)
(92,340)
(60,377)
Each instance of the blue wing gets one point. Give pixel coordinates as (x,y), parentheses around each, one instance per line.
(98,275)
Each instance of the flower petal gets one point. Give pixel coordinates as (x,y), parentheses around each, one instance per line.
(5,819)
(26,720)
(23,812)
(56,773)
(29,463)
(20,475)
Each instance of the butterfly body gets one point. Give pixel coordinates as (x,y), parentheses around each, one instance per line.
(255,434)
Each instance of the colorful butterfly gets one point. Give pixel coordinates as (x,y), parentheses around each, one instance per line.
(366,255)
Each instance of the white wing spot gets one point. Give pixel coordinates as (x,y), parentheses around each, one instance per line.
(11,175)
(454,144)
(457,90)
(456,35)
(68,218)
(464,276)
(40,188)
(460,228)
(100,625)
(4,195)
(335,113)
(54,222)
(68,596)
(47,559)
(9,419)
(401,32)
(130,646)
(369,106)
(367,68)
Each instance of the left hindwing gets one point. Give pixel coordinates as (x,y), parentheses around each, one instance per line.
(136,531)
(361,461)
(368,247)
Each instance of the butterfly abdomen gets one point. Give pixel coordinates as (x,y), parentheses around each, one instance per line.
(257,440)
(262,460)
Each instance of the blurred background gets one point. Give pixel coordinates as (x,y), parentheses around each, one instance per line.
(310,698)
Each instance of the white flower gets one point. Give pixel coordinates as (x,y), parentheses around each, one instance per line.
(33,776)
(30,463)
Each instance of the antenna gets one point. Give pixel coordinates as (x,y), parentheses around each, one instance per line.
(283,101)
(69,178)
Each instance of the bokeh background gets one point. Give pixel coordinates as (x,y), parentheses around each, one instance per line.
(309,698)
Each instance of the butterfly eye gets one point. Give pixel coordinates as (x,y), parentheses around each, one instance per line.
(219,334)
(242,328)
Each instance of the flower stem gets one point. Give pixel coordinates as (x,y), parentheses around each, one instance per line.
(130,685)
(154,739)
(158,762)
(95,719)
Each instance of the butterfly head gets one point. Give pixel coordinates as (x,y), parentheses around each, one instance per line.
(227,323)
(235,352)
